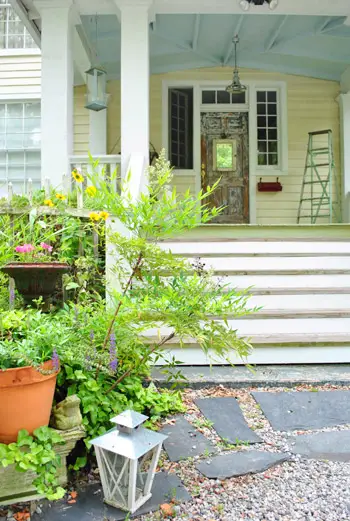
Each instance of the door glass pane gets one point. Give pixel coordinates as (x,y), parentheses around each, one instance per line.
(32,140)
(32,110)
(15,110)
(14,141)
(14,125)
(223,96)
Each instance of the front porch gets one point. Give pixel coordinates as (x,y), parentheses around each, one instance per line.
(159,60)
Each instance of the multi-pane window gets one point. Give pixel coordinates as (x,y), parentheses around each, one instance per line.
(267,127)
(20,143)
(13,34)
(181,128)
(222,97)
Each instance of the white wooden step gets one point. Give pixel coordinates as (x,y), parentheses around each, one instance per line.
(288,282)
(301,302)
(256,248)
(279,327)
(259,265)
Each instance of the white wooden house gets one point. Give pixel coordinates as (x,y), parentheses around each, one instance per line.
(168,63)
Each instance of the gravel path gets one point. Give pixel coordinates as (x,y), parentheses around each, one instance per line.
(299,489)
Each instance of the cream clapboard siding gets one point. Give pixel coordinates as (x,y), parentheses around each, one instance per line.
(20,76)
(312,106)
(81,121)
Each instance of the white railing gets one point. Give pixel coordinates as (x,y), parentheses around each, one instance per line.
(109,162)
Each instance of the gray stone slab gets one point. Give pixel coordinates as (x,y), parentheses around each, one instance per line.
(184,440)
(288,411)
(333,445)
(240,463)
(90,505)
(228,420)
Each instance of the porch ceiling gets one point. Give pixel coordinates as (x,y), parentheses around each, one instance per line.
(316,46)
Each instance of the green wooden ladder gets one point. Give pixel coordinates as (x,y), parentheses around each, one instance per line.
(319,198)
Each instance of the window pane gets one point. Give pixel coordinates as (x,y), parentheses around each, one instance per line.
(2,141)
(261,96)
(262,159)
(261,108)
(262,133)
(272,121)
(31,125)
(273,133)
(262,121)
(238,97)
(15,110)
(181,129)
(272,108)
(223,96)
(262,146)
(14,125)
(33,158)
(208,96)
(272,96)
(14,140)
(2,110)
(32,140)
(273,146)
(32,110)
(273,159)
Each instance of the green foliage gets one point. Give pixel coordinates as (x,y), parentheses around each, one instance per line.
(36,453)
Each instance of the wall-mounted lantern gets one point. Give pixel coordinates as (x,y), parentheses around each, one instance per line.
(127,458)
(96,81)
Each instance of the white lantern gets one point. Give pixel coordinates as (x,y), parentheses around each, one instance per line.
(127,458)
(96,89)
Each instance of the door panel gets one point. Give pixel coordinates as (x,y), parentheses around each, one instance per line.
(223,134)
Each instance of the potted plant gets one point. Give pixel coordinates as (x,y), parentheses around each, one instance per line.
(29,365)
(36,266)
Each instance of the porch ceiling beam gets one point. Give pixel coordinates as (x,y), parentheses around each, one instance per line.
(28,20)
(322,28)
(188,48)
(230,45)
(296,7)
(333,24)
(82,51)
(270,42)
(314,55)
(196,29)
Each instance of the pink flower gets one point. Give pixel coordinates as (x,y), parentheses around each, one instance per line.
(46,247)
(25,248)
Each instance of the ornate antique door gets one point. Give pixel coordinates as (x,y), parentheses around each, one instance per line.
(224,155)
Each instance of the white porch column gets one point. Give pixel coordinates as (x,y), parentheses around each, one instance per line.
(98,132)
(344,105)
(134,81)
(57,88)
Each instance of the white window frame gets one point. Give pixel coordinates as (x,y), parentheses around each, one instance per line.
(16,51)
(23,149)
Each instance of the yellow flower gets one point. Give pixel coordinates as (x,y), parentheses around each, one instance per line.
(77,176)
(94,216)
(48,202)
(61,197)
(91,191)
(104,215)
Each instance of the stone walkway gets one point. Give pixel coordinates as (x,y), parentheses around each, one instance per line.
(262,455)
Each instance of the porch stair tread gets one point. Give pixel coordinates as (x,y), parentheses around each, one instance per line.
(298,313)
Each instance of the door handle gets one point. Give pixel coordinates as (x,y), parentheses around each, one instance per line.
(203,170)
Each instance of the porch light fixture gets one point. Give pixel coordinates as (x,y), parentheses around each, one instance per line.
(127,458)
(245,4)
(96,82)
(236,86)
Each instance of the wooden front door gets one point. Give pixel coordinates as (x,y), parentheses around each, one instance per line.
(224,155)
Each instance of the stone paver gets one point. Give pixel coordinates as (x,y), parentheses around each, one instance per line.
(240,463)
(288,411)
(184,440)
(332,445)
(90,506)
(228,419)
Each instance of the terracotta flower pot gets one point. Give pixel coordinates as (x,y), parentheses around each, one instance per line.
(36,279)
(26,397)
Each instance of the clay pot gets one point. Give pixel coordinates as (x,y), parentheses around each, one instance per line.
(26,397)
(36,279)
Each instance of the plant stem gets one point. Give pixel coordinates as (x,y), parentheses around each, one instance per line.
(124,375)
(128,284)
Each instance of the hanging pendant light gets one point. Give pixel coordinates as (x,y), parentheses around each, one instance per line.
(236,86)
(245,4)
(96,83)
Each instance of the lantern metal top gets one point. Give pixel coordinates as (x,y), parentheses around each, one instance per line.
(99,70)
(129,440)
(129,419)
